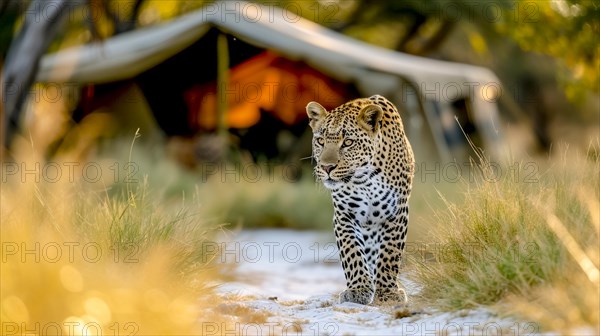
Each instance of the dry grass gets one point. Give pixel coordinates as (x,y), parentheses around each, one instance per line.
(290,303)
(85,261)
(244,314)
(402,313)
(326,304)
(246,194)
(270,201)
(532,248)
(348,310)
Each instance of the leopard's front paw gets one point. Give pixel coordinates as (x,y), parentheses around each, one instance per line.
(361,296)
(390,296)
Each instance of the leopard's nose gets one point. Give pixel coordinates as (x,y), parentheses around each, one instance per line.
(328,167)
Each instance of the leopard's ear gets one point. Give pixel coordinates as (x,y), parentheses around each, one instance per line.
(369,117)
(316,113)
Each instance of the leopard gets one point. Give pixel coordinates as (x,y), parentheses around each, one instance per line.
(363,157)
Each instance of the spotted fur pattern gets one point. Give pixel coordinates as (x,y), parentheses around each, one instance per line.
(363,157)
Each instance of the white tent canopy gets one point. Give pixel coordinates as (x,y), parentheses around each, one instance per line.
(373,69)
(345,58)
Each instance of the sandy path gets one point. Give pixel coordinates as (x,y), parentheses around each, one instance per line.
(290,281)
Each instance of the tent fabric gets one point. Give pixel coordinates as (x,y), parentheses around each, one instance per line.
(341,57)
(266,82)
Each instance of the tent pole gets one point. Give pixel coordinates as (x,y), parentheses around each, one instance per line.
(222,83)
(435,132)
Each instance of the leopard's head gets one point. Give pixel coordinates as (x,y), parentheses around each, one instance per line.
(343,139)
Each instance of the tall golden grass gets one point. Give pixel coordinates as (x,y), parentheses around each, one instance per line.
(529,247)
(82,260)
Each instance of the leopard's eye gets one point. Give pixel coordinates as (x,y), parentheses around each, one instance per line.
(348,142)
(321,141)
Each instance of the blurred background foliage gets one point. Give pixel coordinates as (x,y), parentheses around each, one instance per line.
(545,52)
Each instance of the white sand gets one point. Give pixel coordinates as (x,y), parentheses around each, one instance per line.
(295,276)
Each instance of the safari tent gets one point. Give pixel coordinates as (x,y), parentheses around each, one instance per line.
(176,65)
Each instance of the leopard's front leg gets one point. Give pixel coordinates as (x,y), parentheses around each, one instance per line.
(359,280)
(387,268)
